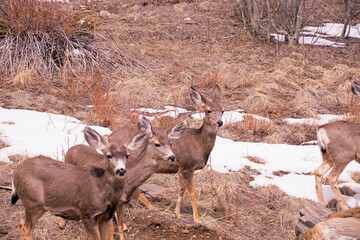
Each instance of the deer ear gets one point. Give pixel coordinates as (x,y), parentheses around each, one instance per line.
(94,139)
(355,88)
(197,97)
(143,124)
(139,141)
(177,130)
(216,94)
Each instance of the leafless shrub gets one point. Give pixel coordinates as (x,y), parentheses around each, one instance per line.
(48,38)
(270,16)
(351,12)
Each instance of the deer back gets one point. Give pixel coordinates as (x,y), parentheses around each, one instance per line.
(83,155)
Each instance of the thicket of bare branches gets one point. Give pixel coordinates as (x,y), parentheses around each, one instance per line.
(50,41)
(265,17)
(351,11)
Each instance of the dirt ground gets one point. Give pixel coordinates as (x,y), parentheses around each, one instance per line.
(200,43)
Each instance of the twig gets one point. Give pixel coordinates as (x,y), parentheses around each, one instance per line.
(6,188)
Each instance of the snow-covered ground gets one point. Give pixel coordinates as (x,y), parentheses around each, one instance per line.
(32,133)
(317,35)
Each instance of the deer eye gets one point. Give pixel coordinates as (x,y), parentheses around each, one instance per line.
(157,145)
(208,111)
(127,156)
(222,112)
(108,156)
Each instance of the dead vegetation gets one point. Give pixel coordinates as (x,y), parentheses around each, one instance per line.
(185,43)
(48,41)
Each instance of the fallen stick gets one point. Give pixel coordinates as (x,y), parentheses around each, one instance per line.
(6,188)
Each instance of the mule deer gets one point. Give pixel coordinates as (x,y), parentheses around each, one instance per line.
(193,148)
(141,163)
(339,143)
(88,194)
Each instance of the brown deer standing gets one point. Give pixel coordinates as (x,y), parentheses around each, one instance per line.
(88,194)
(339,143)
(193,148)
(141,163)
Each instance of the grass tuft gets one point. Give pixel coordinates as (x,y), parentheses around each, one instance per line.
(55,43)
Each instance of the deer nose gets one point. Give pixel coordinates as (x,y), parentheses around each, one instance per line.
(172,158)
(219,123)
(121,172)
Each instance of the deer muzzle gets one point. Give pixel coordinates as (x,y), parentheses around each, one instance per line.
(120,172)
(172,158)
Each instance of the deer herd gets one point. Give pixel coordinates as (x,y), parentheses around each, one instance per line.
(92,188)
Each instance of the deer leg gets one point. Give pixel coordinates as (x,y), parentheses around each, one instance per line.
(143,199)
(120,221)
(105,230)
(61,223)
(181,196)
(27,223)
(111,229)
(319,175)
(332,179)
(91,228)
(190,187)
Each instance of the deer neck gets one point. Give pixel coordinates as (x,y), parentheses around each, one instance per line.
(208,135)
(139,173)
(113,184)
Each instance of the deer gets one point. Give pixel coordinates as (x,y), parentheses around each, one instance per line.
(141,164)
(339,143)
(192,149)
(87,194)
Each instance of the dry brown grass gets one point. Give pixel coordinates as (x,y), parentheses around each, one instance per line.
(250,129)
(2,144)
(239,209)
(356,177)
(257,130)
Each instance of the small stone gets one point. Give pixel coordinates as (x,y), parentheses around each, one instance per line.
(104,13)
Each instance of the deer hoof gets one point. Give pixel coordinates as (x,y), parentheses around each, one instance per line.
(62,223)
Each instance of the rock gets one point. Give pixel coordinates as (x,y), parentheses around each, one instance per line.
(310,216)
(187,20)
(344,224)
(335,228)
(104,13)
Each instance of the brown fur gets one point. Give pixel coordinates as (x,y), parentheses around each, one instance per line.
(89,194)
(339,143)
(69,191)
(141,164)
(193,148)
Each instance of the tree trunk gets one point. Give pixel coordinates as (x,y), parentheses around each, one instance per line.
(347,18)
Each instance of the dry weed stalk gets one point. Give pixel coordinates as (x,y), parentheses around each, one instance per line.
(352,109)
(212,189)
(104,104)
